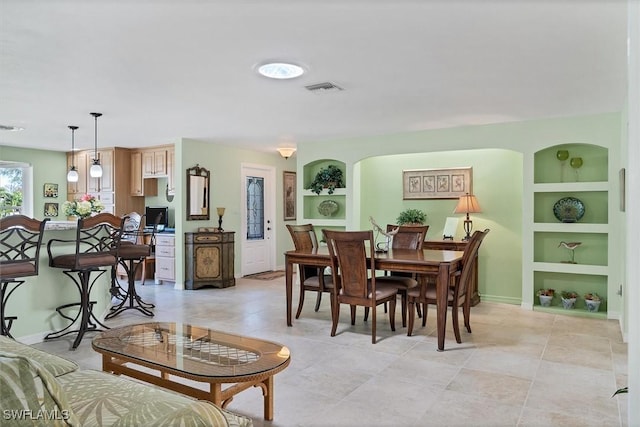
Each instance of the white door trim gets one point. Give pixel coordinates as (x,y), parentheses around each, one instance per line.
(270,211)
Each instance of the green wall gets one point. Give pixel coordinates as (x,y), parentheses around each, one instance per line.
(497,183)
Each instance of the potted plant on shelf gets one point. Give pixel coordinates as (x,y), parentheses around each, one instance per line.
(330,178)
(412,217)
(592,300)
(568,299)
(545,296)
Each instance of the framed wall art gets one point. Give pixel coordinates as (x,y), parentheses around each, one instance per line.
(50,190)
(50,209)
(289,193)
(436,183)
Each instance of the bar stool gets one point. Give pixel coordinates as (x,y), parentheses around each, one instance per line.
(96,248)
(131,256)
(20,240)
(130,234)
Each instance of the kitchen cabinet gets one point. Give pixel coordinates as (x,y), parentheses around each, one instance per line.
(154,163)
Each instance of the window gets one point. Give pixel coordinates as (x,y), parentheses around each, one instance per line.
(16,193)
(255,208)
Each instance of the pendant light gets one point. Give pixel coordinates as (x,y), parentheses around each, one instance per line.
(72,175)
(96,169)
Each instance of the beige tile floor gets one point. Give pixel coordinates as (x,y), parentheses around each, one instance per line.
(517,368)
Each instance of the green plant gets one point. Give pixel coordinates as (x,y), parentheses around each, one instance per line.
(411,216)
(547,292)
(592,296)
(569,294)
(330,178)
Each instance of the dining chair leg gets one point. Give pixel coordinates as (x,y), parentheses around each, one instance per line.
(466,310)
(335,315)
(366,314)
(318,299)
(300,302)
(373,326)
(403,301)
(424,315)
(392,314)
(411,312)
(353,314)
(456,325)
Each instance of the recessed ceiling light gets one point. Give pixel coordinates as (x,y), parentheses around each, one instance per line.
(11,128)
(280,70)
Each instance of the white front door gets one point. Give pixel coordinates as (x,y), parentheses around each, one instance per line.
(258,214)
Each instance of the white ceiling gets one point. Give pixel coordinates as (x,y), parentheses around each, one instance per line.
(167,69)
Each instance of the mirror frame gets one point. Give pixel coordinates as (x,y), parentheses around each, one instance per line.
(196,171)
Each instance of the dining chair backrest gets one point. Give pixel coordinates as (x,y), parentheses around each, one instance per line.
(20,242)
(407,236)
(303,236)
(350,268)
(469,259)
(99,234)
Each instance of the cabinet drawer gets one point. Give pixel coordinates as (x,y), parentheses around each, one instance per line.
(208,237)
(165,251)
(165,269)
(106,198)
(165,240)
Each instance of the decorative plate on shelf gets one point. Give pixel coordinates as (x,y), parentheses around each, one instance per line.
(328,207)
(568,209)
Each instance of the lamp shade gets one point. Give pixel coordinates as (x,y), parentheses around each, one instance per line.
(72,175)
(220,211)
(467,204)
(286,152)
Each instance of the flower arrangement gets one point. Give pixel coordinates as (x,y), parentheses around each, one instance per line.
(82,207)
(592,297)
(546,292)
(569,294)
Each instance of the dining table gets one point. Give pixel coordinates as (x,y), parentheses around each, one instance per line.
(424,262)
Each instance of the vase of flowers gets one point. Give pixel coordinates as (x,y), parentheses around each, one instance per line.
(569,299)
(592,302)
(545,296)
(83,207)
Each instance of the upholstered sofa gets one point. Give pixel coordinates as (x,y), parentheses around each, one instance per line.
(38,388)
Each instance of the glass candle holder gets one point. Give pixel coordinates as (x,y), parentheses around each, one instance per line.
(562,155)
(576,163)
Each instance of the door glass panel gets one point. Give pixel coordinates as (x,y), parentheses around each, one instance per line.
(255,208)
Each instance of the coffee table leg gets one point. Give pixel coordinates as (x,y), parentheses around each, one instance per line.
(215,391)
(268,398)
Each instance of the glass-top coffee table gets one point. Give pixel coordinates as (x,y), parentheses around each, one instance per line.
(196,353)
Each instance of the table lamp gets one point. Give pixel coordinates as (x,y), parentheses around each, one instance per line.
(220,214)
(467,204)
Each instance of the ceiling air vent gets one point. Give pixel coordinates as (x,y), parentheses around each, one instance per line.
(323,87)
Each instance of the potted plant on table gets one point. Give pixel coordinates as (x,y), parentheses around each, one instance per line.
(411,217)
(330,178)
(545,296)
(568,299)
(592,300)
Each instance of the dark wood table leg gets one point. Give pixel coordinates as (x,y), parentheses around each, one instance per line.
(441,296)
(289,288)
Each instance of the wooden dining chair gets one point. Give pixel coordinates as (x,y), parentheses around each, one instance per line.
(20,241)
(459,292)
(353,284)
(96,247)
(406,237)
(311,278)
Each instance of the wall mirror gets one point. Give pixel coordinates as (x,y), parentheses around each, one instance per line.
(198,189)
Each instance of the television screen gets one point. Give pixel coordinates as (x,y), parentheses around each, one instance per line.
(151,213)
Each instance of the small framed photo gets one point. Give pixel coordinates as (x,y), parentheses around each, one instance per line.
(50,209)
(50,190)
(289,193)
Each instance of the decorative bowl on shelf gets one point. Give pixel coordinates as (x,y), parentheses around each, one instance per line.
(328,207)
(568,209)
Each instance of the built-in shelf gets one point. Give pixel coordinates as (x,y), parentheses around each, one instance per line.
(600,270)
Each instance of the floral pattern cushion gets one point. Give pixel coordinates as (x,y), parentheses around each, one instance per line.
(56,365)
(30,394)
(101,399)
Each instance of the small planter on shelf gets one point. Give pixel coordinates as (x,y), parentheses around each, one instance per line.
(569,299)
(545,296)
(592,301)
